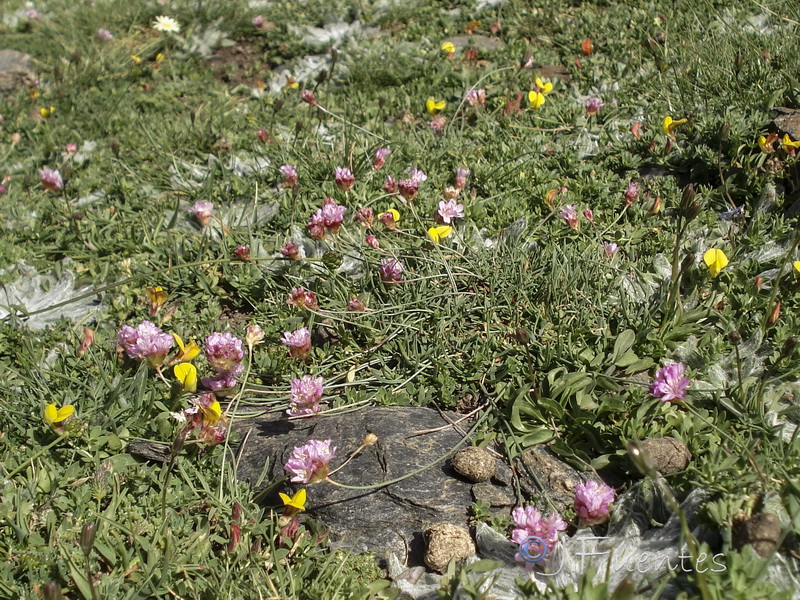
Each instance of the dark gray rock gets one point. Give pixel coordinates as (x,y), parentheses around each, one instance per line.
(16,70)
(383,520)
(543,478)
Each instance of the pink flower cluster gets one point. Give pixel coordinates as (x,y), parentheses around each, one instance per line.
(529,522)
(202,210)
(408,188)
(289,176)
(449,211)
(305,395)
(381,154)
(51,180)
(299,342)
(327,219)
(592,500)
(302,298)
(391,270)
(224,354)
(670,383)
(145,342)
(343,178)
(310,463)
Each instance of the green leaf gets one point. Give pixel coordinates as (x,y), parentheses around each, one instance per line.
(624,343)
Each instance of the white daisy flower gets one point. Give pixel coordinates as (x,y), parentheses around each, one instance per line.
(166,24)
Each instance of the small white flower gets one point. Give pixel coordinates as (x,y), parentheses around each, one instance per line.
(166,24)
(178,416)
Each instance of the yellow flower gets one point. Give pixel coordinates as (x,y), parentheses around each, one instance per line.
(159,57)
(186,373)
(55,417)
(716,260)
(298,501)
(535,99)
(796,265)
(437,234)
(136,59)
(211,413)
(47,112)
(787,142)
(668,125)
(395,214)
(448,48)
(762,143)
(188,352)
(291,84)
(433,106)
(542,87)
(157,297)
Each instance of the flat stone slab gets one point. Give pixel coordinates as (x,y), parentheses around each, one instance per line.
(386,520)
(16,70)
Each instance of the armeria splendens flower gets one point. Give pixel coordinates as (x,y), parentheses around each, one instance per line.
(593,106)
(569,215)
(290,250)
(610,249)
(476,98)
(418,175)
(390,185)
(381,154)
(146,341)
(408,189)
(592,500)
(344,178)
(529,521)
(631,193)
(372,241)
(461,178)
(51,180)
(449,211)
(389,219)
(299,342)
(316,225)
(254,335)
(258,22)
(305,395)
(302,298)
(166,24)
(333,215)
(104,35)
(391,270)
(670,383)
(365,216)
(438,124)
(310,463)
(356,305)
(289,175)
(202,210)
(308,96)
(587,212)
(224,353)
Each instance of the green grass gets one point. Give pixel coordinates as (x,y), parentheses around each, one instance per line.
(559,341)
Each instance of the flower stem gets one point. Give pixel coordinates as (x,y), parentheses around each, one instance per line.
(382,484)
